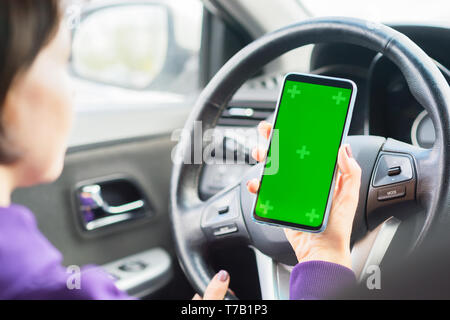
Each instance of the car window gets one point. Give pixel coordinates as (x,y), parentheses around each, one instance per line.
(437,11)
(132,56)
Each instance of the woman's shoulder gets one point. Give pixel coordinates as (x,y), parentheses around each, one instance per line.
(16,214)
(19,235)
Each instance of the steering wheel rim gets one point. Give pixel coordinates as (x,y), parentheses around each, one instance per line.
(424,79)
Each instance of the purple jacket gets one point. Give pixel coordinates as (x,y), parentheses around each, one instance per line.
(32,268)
(313,280)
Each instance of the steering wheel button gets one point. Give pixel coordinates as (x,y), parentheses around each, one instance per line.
(220,231)
(133,266)
(223,210)
(392,168)
(391,193)
(394,171)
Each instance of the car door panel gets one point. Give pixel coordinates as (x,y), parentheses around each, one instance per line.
(147,160)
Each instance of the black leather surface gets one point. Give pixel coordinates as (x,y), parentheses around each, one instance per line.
(424,79)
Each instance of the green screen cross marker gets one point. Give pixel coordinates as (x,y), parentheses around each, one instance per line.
(302,152)
(265,207)
(339,98)
(293,91)
(312,215)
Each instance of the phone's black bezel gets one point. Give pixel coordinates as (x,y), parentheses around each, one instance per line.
(312,79)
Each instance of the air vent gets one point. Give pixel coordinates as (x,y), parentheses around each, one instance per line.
(246,113)
(270,82)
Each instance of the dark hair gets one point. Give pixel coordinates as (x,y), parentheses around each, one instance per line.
(26,26)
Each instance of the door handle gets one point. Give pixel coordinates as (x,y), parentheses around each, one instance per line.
(91,198)
(105,202)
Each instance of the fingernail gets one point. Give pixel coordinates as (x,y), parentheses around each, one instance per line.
(222,275)
(254,153)
(348,150)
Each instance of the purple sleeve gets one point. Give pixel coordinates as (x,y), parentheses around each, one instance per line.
(313,280)
(32,267)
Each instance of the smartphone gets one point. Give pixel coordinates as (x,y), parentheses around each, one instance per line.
(311,122)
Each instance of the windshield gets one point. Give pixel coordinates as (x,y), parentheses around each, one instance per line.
(387,11)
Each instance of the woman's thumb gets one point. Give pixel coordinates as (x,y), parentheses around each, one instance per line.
(347,164)
(218,286)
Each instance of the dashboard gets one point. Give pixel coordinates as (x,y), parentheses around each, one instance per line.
(384,105)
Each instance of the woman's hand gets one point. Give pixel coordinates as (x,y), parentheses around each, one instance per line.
(333,244)
(217,288)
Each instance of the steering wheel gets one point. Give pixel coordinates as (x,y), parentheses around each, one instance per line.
(420,176)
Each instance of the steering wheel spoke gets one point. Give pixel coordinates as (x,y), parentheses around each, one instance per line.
(393,183)
(222,217)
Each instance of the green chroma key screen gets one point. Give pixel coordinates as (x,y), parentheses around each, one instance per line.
(310,122)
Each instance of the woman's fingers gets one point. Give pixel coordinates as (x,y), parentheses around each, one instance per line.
(350,178)
(338,184)
(347,164)
(259,154)
(253,185)
(264,129)
(218,286)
